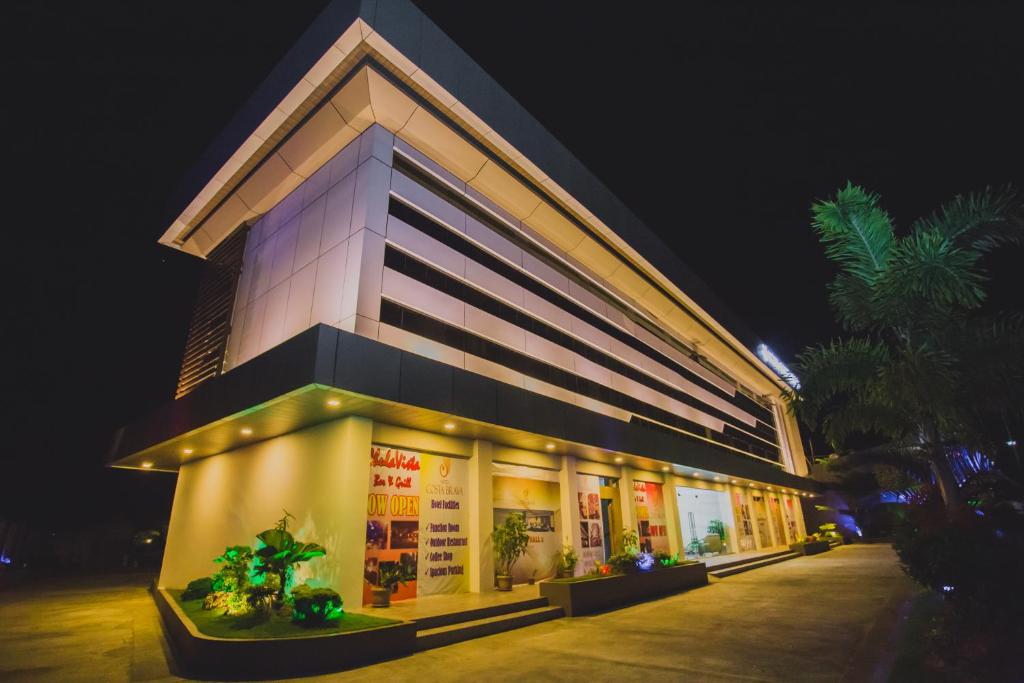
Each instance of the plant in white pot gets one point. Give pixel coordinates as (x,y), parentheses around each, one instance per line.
(567,560)
(510,542)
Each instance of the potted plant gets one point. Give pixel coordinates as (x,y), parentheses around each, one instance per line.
(389,575)
(567,560)
(510,542)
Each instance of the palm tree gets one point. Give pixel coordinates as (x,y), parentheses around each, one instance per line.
(925,366)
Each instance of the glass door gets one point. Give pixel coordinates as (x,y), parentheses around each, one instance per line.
(611,519)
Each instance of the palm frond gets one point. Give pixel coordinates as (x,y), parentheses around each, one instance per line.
(980,221)
(928,266)
(856,231)
(864,416)
(828,372)
(922,381)
(852,299)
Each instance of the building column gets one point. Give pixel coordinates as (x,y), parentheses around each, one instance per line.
(355,440)
(628,497)
(772,531)
(798,511)
(671,500)
(568,491)
(364,266)
(481,518)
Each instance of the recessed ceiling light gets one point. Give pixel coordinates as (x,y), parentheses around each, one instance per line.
(618,459)
(734,481)
(333,402)
(696,474)
(550,446)
(246,431)
(146,465)
(769,488)
(665,468)
(449,426)
(718,479)
(187,451)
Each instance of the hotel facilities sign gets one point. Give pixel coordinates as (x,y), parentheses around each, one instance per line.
(444,526)
(416,516)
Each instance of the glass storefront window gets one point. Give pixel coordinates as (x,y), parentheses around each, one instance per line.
(706,521)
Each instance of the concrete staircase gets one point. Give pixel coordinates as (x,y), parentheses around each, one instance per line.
(446,629)
(721,571)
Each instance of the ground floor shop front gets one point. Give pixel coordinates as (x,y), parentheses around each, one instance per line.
(374,495)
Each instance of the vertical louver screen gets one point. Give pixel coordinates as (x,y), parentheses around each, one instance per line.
(211,320)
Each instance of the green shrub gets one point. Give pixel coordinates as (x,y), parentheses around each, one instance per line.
(315,606)
(227,602)
(510,542)
(278,553)
(198,589)
(664,559)
(623,563)
(234,572)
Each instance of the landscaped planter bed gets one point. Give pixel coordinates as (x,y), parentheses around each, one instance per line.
(812,548)
(277,653)
(586,595)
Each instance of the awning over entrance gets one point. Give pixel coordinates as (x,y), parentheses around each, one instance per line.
(325,373)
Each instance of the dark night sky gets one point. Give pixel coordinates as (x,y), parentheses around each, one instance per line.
(760,108)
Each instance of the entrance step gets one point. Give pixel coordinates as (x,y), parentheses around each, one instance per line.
(747,560)
(721,573)
(448,634)
(438,620)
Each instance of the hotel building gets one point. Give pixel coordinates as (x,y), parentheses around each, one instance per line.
(421,314)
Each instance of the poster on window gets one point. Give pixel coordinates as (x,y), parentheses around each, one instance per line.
(591,531)
(416,516)
(444,526)
(531,493)
(650,516)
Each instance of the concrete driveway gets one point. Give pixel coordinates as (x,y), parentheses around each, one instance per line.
(830,617)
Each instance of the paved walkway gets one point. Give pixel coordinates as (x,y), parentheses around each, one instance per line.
(821,618)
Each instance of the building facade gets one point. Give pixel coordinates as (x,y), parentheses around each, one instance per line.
(421,315)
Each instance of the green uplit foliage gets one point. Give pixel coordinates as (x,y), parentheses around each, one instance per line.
(198,589)
(278,553)
(234,571)
(232,603)
(666,560)
(926,366)
(716,526)
(510,542)
(828,530)
(261,596)
(630,542)
(315,606)
(623,563)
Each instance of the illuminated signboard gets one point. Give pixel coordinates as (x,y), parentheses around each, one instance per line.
(778,366)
